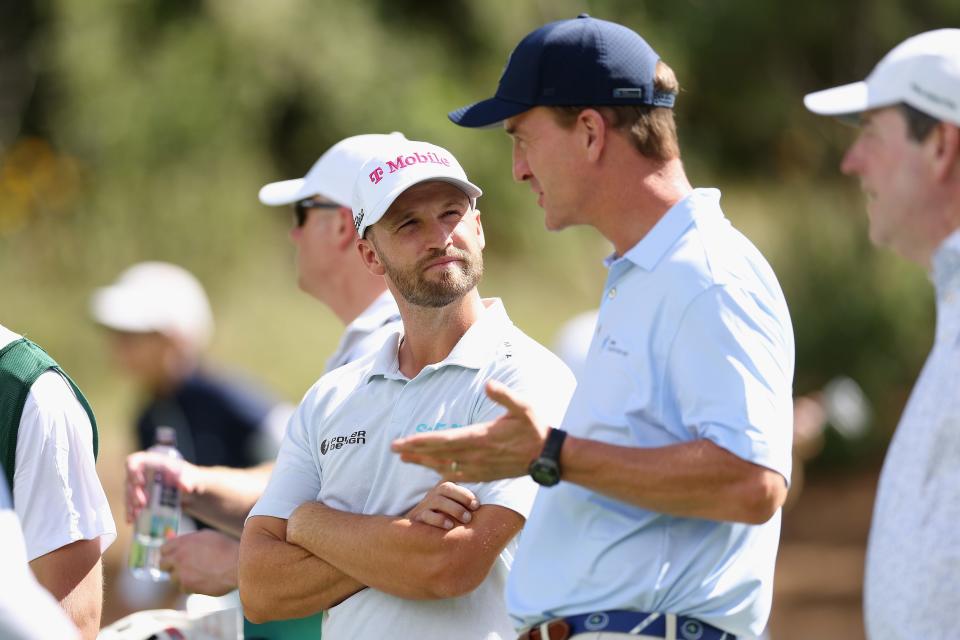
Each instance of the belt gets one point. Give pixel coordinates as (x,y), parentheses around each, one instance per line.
(638,623)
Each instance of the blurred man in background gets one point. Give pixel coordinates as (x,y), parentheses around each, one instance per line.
(327,269)
(48,444)
(678,455)
(159,326)
(907,159)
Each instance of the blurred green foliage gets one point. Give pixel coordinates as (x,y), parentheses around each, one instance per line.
(133,130)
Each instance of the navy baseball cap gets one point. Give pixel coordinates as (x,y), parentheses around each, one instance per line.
(578,62)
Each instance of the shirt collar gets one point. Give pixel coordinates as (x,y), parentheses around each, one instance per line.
(380,312)
(946,265)
(474,350)
(678,218)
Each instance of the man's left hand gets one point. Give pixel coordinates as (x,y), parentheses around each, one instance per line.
(202,562)
(503,448)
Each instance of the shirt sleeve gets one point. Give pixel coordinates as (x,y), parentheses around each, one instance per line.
(730,369)
(296,476)
(56,492)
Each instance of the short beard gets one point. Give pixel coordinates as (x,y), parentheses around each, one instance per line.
(452,285)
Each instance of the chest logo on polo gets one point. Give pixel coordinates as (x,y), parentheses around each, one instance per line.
(437,426)
(610,344)
(333,444)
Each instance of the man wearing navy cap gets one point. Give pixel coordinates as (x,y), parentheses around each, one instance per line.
(667,475)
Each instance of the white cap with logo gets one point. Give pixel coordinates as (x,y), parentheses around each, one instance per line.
(332,175)
(398,165)
(156,296)
(922,71)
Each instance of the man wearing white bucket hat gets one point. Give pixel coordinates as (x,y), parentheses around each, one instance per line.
(907,158)
(343,525)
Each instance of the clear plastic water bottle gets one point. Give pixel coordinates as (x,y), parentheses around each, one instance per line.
(160,518)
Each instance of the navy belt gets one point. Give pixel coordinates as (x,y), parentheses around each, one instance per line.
(638,623)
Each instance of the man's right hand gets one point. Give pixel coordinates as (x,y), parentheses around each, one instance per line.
(445,506)
(185,474)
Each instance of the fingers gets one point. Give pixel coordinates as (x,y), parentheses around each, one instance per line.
(449,445)
(458,494)
(434,519)
(451,508)
(135,493)
(505,397)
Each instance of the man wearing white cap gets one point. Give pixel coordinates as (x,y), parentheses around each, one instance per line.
(48,444)
(907,158)
(343,525)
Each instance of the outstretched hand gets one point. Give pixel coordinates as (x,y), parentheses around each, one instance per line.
(502,448)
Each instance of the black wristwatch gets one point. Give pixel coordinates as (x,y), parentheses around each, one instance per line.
(545,470)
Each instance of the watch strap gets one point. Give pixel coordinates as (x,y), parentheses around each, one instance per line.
(553,444)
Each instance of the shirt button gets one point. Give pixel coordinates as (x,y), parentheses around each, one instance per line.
(612,293)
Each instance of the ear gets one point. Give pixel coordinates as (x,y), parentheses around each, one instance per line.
(368,255)
(593,133)
(480,237)
(346,233)
(946,152)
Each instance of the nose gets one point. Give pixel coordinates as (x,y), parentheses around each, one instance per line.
(439,235)
(295,233)
(851,163)
(521,170)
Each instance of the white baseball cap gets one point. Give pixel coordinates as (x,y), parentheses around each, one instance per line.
(332,175)
(156,296)
(397,165)
(923,71)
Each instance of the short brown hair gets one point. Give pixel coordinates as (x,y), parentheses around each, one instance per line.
(652,130)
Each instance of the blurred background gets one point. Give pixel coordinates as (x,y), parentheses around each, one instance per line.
(142,130)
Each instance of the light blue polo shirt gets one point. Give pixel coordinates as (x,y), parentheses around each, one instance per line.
(693,341)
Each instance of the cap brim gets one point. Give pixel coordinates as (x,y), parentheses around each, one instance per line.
(471,190)
(118,309)
(845,100)
(281,193)
(487,113)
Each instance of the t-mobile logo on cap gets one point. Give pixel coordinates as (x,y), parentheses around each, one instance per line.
(402,162)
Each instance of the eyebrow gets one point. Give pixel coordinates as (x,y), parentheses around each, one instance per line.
(405,214)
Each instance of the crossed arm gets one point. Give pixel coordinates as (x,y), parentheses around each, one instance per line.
(321,556)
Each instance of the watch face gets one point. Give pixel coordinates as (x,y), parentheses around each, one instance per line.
(545,472)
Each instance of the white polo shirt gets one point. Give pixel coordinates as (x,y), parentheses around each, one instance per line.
(337,451)
(56,492)
(367,332)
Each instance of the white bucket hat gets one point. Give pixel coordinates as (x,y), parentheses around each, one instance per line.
(922,71)
(397,165)
(156,296)
(332,175)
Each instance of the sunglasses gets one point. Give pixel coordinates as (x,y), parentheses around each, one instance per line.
(301,208)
